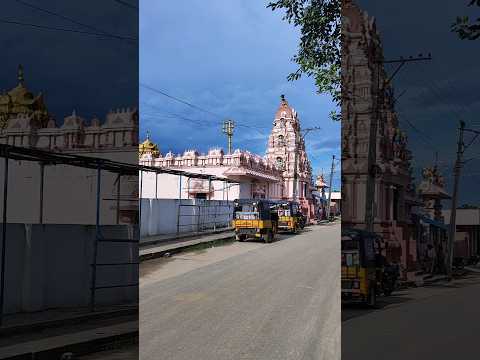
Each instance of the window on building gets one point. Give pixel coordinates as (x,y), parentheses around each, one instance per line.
(365,92)
(280,162)
(281,140)
(395,204)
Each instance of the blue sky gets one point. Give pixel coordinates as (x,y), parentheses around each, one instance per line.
(232,59)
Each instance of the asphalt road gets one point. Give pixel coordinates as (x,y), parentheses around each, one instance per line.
(441,321)
(261,302)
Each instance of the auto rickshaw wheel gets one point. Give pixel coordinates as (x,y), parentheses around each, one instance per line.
(268,237)
(239,237)
(372,297)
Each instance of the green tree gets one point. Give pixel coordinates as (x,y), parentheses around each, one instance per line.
(466,29)
(318,53)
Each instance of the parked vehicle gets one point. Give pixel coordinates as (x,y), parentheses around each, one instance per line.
(389,279)
(255,218)
(359,267)
(473,260)
(290,218)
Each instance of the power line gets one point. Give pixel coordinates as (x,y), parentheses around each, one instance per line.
(196,121)
(426,140)
(127,4)
(43,27)
(50,12)
(196,107)
(428,84)
(180,100)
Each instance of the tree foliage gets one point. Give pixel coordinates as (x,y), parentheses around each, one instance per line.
(318,53)
(466,29)
(468,206)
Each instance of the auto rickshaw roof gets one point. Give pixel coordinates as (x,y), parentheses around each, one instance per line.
(253,201)
(351,233)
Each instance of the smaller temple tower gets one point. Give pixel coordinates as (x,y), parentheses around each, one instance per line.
(20,102)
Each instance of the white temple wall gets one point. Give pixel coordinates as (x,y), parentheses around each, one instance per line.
(167,186)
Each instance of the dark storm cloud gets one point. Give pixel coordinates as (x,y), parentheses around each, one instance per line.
(440,92)
(75,71)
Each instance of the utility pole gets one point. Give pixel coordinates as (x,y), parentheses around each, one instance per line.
(372,147)
(228,126)
(330,187)
(295,166)
(453,212)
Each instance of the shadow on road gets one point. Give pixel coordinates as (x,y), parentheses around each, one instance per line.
(280,236)
(350,311)
(468,279)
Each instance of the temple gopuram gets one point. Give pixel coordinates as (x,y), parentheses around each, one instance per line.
(364,103)
(285,146)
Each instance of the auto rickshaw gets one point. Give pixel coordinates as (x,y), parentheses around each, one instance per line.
(290,217)
(255,218)
(359,266)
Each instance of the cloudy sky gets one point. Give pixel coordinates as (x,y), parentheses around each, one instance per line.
(439,92)
(74,70)
(230,58)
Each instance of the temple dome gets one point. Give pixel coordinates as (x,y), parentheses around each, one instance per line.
(148,147)
(20,100)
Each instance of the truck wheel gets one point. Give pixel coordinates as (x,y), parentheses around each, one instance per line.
(239,237)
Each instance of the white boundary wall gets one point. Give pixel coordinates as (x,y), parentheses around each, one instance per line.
(161,216)
(48,266)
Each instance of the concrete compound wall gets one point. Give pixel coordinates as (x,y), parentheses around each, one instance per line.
(48,266)
(159,216)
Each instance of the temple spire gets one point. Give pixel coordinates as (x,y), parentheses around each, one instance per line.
(20,74)
(148,134)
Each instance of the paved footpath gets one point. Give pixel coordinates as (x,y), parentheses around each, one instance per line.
(245,301)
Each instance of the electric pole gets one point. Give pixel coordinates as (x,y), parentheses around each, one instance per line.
(372,147)
(228,126)
(295,166)
(330,187)
(453,212)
